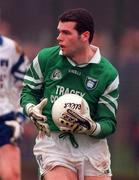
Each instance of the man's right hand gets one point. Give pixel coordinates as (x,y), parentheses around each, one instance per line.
(35,114)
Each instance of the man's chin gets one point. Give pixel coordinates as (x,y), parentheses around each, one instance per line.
(64,53)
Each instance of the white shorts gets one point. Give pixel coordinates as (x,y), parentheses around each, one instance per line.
(91,158)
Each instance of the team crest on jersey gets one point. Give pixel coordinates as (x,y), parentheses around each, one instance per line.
(91,83)
(56,75)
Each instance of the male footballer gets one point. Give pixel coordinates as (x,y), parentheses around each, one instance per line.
(13,64)
(72,144)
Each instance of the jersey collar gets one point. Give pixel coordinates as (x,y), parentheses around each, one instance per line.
(94,60)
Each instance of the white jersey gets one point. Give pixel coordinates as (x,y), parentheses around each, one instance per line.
(13,64)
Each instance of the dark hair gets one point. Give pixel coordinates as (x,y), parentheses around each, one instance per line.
(82,17)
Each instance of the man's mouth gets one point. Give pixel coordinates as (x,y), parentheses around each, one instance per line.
(62,46)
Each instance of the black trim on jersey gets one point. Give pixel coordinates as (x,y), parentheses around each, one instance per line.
(15,68)
(1,40)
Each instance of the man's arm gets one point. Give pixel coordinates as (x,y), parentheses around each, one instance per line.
(107,108)
(31,97)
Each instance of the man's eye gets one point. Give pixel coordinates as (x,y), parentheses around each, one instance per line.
(67,32)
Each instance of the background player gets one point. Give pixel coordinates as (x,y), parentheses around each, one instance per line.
(13,64)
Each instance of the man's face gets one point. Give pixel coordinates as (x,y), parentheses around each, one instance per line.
(69,40)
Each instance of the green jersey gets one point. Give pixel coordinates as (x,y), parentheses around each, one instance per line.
(52,75)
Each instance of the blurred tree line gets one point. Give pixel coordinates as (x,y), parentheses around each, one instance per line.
(36,19)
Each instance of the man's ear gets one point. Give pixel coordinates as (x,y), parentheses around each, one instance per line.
(85,36)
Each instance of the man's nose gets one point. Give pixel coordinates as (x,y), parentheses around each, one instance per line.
(59,37)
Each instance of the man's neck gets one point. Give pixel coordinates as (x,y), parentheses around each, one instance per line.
(84,56)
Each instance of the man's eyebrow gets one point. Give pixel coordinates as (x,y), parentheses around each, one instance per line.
(63,30)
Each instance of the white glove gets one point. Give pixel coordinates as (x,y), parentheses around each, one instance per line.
(76,123)
(42,126)
(17,129)
(36,111)
(35,114)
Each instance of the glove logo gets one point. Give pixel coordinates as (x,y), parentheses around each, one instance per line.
(91,83)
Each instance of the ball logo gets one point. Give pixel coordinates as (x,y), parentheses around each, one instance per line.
(72,105)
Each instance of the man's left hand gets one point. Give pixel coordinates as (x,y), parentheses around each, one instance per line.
(72,122)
